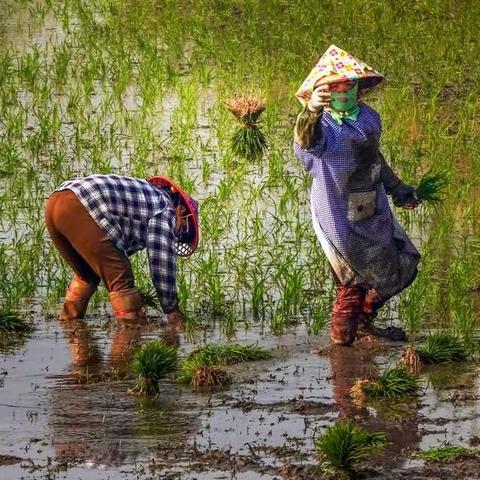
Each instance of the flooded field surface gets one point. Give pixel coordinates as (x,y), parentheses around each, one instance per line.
(144,87)
(65,411)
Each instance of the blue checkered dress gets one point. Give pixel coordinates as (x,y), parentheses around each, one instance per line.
(351,214)
(134,215)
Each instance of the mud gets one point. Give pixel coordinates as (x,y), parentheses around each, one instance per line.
(65,412)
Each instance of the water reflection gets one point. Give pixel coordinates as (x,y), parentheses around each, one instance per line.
(399,421)
(93,421)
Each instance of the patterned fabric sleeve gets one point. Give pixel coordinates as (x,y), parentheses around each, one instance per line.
(307,129)
(160,244)
(389,179)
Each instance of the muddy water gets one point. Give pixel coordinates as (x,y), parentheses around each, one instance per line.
(65,412)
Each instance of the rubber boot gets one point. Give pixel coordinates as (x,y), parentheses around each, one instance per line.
(371,304)
(77,297)
(128,304)
(347,310)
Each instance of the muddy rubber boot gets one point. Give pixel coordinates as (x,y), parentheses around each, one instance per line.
(343,329)
(128,304)
(76,300)
(347,310)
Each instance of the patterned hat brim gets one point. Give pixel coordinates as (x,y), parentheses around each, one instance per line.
(182,249)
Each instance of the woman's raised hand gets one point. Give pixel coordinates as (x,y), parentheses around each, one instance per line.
(320,99)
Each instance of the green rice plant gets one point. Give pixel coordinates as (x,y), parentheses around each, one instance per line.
(219,356)
(447,452)
(430,188)
(150,363)
(441,347)
(150,298)
(393,383)
(343,446)
(248,141)
(12,322)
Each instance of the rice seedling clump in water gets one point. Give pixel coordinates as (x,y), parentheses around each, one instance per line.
(442,347)
(197,367)
(12,322)
(343,446)
(447,452)
(150,363)
(430,188)
(393,383)
(248,140)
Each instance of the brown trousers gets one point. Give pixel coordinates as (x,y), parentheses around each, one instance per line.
(84,245)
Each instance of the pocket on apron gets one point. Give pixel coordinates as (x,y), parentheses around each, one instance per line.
(361,205)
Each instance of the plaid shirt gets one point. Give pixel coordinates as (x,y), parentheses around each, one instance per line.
(134,215)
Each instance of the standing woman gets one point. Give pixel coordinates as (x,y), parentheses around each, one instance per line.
(97,222)
(337,139)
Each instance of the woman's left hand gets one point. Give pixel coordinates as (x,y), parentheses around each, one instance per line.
(405,196)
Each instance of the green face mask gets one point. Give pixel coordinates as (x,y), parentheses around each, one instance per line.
(349,102)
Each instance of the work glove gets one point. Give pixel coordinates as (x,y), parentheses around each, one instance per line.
(319,100)
(405,196)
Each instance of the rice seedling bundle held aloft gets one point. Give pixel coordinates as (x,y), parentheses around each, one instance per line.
(393,383)
(343,446)
(447,452)
(150,363)
(248,141)
(12,322)
(430,187)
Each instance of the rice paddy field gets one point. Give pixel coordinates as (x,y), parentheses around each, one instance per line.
(143,88)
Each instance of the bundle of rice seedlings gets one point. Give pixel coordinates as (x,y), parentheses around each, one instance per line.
(447,452)
(439,347)
(343,446)
(411,360)
(12,322)
(150,298)
(210,376)
(248,140)
(212,355)
(430,187)
(393,383)
(150,363)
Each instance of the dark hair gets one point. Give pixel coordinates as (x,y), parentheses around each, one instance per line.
(187,237)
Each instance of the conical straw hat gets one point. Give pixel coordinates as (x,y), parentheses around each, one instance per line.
(336,65)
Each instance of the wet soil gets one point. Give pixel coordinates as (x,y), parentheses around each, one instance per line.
(65,412)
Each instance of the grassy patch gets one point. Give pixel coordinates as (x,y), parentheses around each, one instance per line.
(446,453)
(12,321)
(343,446)
(150,363)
